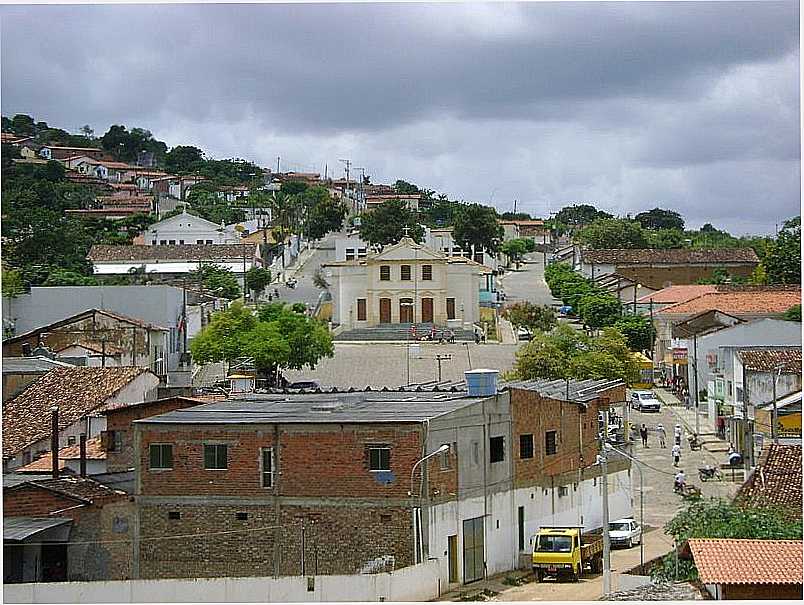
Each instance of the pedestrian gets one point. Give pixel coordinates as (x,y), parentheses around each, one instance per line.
(643,432)
(686,400)
(477,338)
(270,297)
(676,451)
(721,427)
(662,435)
(677,434)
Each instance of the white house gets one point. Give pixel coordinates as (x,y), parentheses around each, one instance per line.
(405,283)
(186,228)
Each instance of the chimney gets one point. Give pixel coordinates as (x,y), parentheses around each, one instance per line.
(54,440)
(82,448)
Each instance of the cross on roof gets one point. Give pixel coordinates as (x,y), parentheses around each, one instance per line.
(406,231)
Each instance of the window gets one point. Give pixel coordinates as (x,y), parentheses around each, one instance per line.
(161,455)
(163,242)
(497,449)
(404,273)
(361,253)
(181,242)
(476,452)
(172,242)
(361,309)
(350,254)
(174,515)
(199,241)
(209,241)
(241,516)
(215,457)
(385,273)
(71,440)
(562,491)
(444,459)
(379,458)
(427,272)
(479,257)
(550,443)
(526,446)
(153,242)
(267,469)
(114,441)
(450,308)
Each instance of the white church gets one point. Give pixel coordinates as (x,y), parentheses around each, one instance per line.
(405,283)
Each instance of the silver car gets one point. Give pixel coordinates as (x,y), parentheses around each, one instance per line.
(645,401)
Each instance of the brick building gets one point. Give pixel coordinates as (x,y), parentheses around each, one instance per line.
(342,478)
(92,547)
(662,268)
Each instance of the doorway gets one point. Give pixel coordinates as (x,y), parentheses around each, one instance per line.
(473,562)
(427,310)
(385,310)
(452,548)
(521,525)
(406,310)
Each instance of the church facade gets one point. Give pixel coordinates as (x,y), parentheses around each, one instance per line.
(405,283)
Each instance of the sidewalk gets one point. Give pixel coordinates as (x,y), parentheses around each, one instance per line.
(711,442)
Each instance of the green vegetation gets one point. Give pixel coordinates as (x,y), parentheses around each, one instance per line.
(783,260)
(534,317)
(476,226)
(257,279)
(12,283)
(218,280)
(566,353)
(277,337)
(638,331)
(613,233)
(660,219)
(715,518)
(515,249)
(387,224)
(793,314)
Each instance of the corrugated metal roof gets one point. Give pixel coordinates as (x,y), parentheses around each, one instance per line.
(30,365)
(20,528)
(358,407)
(579,391)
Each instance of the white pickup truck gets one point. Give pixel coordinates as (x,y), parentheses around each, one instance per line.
(625,532)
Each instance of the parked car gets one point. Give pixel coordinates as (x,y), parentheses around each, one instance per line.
(645,401)
(625,532)
(524,334)
(304,384)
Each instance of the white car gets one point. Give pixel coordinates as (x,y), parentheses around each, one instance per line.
(524,334)
(645,401)
(625,532)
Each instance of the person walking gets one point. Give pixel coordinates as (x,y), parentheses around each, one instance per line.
(677,435)
(676,451)
(662,434)
(643,432)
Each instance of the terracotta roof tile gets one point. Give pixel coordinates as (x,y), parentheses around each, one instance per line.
(676,294)
(768,301)
(776,481)
(194,252)
(769,360)
(71,452)
(731,561)
(679,256)
(77,391)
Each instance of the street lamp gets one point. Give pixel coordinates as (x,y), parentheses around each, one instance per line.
(417,527)
(441,450)
(609,446)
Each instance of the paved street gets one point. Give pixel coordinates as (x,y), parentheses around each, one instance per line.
(305,291)
(385,364)
(528,283)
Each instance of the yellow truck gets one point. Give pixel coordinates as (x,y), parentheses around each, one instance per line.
(566,552)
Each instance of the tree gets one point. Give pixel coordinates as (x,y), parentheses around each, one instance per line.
(294,187)
(514,249)
(257,279)
(208,205)
(531,316)
(665,239)
(783,260)
(324,214)
(660,219)
(598,309)
(793,314)
(276,337)
(87,131)
(181,158)
(23,125)
(386,224)
(516,216)
(62,277)
(715,518)
(405,188)
(476,226)
(611,233)
(219,280)
(126,145)
(566,353)
(579,215)
(13,285)
(638,331)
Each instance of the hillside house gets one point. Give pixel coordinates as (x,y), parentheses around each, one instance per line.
(187,228)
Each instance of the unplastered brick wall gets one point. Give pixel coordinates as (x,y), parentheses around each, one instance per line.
(661,277)
(334,539)
(575,436)
(320,460)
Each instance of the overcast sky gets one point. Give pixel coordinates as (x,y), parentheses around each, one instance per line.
(690,106)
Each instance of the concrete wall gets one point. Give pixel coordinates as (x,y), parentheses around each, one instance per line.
(418,583)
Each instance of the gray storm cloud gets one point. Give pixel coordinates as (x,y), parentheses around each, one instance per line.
(694,106)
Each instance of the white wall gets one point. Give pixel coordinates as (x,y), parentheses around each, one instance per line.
(417,583)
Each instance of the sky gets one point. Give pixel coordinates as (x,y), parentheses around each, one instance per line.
(691,106)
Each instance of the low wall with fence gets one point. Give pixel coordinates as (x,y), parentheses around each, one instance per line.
(415,583)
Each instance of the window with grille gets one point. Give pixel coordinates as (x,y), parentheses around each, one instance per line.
(379,458)
(550,443)
(161,456)
(215,457)
(404,273)
(267,469)
(526,446)
(427,272)
(385,273)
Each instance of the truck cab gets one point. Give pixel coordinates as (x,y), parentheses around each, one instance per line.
(565,552)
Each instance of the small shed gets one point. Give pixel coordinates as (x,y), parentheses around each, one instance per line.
(737,569)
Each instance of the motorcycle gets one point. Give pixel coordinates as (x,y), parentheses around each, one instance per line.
(291,283)
(709,472)
(694,443)
(687,492)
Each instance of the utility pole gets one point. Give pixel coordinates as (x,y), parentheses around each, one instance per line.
(348,166)
(514,206)
(604,469)
(439,358)
(695,374)
(277,164)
